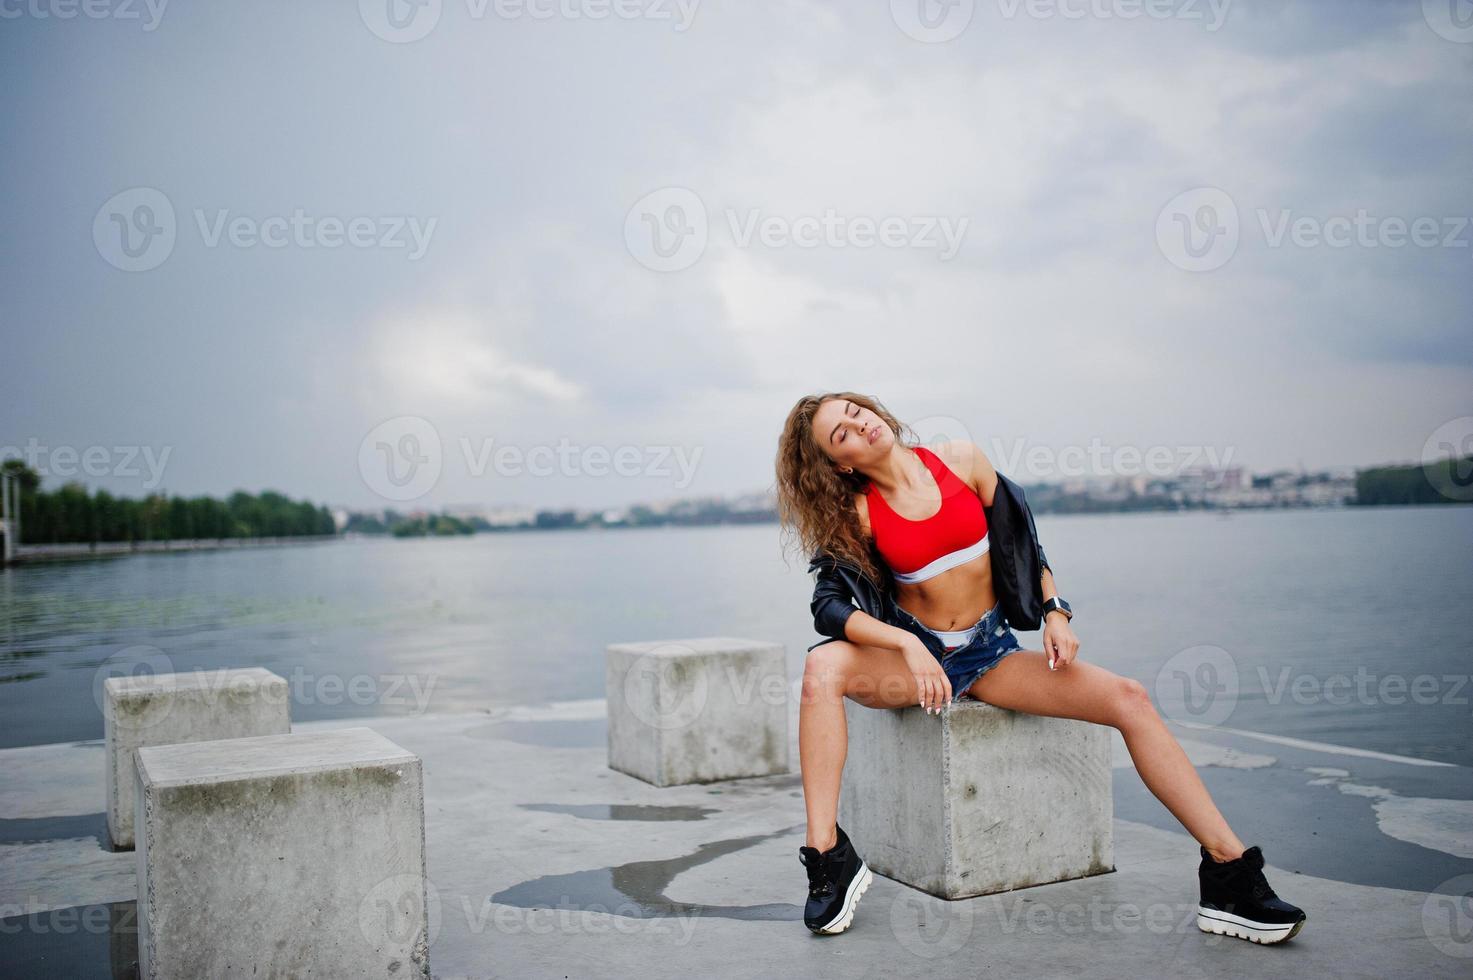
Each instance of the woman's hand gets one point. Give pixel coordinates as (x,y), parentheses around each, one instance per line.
(931,680)
(1059,641)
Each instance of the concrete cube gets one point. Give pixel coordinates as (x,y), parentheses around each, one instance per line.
(282,855)
(190,706)
(697,710)
(978,800)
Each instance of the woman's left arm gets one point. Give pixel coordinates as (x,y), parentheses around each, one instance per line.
(1059,641)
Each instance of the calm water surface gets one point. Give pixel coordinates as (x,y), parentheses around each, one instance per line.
(1298,601)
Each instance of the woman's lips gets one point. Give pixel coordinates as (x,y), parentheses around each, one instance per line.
(874,434)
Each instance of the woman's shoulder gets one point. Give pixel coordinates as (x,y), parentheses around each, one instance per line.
(962,457)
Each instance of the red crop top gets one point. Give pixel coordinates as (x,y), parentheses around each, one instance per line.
(918,550)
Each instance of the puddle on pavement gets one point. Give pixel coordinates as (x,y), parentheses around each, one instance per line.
(637,890)
(78,942)
(34,830)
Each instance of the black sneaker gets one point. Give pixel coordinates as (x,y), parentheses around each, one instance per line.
(836,879)
(1237,901)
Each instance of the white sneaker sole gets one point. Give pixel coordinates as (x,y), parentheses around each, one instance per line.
(1226,924)
(851,901)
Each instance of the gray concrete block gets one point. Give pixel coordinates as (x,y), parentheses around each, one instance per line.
(979,800)
(190,706)
(697,710)
(282,855)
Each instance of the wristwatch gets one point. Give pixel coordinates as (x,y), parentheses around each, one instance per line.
(1053,602)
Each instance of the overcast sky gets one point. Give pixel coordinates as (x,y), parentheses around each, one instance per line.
(351,251)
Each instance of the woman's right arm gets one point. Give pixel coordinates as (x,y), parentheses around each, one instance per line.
(836,616)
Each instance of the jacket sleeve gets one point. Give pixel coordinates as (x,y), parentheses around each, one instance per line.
(832,603)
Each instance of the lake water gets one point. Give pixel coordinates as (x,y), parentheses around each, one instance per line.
(1345,626)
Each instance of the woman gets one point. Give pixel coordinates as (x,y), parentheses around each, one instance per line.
(848,487)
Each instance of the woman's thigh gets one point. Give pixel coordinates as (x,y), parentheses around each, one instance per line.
(1022,681)
(875,677)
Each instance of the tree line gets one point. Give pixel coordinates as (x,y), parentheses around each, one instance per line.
(1443,481)
(72,515)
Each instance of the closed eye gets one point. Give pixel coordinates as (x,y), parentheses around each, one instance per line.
(854,416)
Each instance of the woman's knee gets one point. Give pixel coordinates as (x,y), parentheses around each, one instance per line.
(826,668)
(1130,702)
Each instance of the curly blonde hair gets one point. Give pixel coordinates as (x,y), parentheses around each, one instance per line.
(815,502)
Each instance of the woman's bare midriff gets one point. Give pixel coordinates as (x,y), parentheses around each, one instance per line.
(953,600)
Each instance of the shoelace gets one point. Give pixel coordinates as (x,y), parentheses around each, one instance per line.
(820,881)
(1251,877)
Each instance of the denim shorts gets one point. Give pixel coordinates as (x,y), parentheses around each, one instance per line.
(963,665)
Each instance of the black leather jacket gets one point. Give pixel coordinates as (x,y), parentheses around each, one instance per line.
(1017,559)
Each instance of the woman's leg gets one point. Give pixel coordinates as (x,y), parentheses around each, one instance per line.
(872,676)
(1023,682)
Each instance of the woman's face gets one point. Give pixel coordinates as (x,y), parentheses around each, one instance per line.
(851,434)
